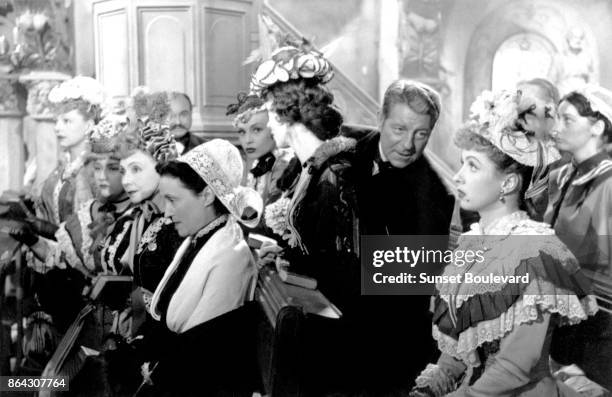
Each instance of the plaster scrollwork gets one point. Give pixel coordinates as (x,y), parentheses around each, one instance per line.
(9,97)
(419,42)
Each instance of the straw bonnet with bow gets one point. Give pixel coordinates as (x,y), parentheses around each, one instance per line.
(219,164)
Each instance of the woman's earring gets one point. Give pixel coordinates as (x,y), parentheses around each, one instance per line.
(502,197)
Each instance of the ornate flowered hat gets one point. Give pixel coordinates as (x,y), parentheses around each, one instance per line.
(156,139)
(79,88)
(247,106)
(291,62)
(219,164)
(104,137)
(497,116)
(151,111)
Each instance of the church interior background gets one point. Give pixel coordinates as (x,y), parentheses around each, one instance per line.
(199,46)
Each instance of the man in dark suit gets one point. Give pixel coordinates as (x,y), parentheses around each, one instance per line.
(399,194)
(180,122)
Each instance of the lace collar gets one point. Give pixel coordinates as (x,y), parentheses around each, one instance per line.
(72,167)
(501,226)
(212,226)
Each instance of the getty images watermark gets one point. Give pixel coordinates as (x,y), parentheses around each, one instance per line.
(414,265)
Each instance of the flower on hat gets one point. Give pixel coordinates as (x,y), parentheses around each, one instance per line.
(156,139)
(80,87)
(496,116)
(291,62)
(151,106)
(104,135)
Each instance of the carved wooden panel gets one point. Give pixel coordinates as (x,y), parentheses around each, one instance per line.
(226,36)
(112,46)
(166,48)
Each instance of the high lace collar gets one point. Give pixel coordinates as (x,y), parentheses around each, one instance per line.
(501,226)
(211,226)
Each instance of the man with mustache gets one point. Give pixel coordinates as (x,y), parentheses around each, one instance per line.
(180,120)
(399,194)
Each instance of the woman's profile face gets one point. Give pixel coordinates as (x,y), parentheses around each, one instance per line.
(71,128)
(107,174)
(187,209)
(572,131)
(140,179)
(255,136)
(278,129)
(478,181)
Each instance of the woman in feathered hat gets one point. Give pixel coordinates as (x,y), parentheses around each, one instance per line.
(320,218)
(265,163)
(203,336)
(318,213)
(81,236)
(580,211)
(494,334)
(93,242)
(153,239)
(78,107)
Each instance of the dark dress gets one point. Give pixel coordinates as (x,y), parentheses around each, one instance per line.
(217,356)
(580,211)
(189,141)
(325,246)
(153,253)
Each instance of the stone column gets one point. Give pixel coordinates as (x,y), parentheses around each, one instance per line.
(11,140)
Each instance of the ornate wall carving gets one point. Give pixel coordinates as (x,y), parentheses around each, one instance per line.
(552,21)
(419,42)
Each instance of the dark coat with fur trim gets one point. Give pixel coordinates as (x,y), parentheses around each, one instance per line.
(326,220)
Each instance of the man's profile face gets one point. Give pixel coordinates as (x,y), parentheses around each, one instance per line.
(404,134)
(180,116)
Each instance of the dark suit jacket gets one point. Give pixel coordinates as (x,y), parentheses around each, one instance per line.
(412,200)
(190,140)
(394,332)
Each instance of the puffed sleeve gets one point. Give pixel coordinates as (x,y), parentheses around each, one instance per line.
(519,353)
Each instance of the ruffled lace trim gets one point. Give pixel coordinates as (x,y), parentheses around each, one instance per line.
(84,216)
(63,252)
(111,249)
(56,200)
(150,235)
(502,258)
(528,308)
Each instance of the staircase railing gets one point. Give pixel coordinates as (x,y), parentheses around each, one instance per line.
(359,109)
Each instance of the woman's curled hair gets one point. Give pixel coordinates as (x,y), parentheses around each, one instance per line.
(468,139)
(87,110)
(308,102)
